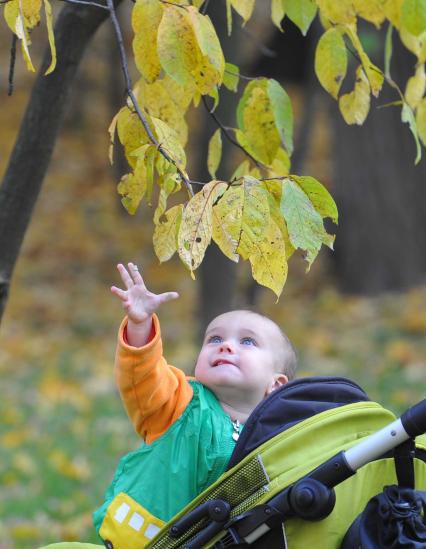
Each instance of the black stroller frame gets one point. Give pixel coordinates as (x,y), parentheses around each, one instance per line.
(310,498)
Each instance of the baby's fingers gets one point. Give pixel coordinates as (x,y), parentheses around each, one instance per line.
(167,296)
(119,293)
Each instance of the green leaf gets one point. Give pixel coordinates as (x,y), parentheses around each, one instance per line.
(304,223)
(243,8)
(277,12)
(214,153)
(301,12)
(388,51)
(319,196)
(231,77)
(407,116)
(413,16)
(331,61)
(283,113)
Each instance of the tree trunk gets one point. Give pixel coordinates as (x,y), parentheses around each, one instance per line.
(34,146)
(381,197)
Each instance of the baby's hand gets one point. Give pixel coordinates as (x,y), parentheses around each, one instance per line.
(138,302)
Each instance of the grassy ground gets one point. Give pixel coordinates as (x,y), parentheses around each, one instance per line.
(63,428)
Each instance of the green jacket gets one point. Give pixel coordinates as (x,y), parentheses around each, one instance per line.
(167,474)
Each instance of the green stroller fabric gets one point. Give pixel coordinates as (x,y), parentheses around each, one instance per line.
(286,458)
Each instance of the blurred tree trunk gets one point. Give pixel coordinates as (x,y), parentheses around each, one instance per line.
(381,196)
(217,274)
(37,135)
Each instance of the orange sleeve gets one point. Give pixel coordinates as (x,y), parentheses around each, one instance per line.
(154,393)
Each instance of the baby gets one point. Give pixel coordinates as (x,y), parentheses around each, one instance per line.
(189,426)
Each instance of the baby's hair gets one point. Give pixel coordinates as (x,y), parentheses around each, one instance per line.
(287,360)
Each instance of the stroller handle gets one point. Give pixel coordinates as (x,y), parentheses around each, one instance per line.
(411,424)
(414,419)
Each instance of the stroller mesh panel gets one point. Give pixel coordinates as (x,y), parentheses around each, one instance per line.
(240,489)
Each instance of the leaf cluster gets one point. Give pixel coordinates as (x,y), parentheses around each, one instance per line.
(261,213)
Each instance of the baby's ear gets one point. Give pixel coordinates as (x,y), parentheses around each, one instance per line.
(278,380)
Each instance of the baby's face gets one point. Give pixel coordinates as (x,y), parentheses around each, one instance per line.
(239,354)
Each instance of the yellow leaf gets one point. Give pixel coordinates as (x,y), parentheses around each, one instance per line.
(258,133)
(130,132)
(280,165)
(111,131)
(243,8)
(169,140)
(132,188)
(168,185)
(21,32)
(166,232)
(28,9)
(373,73)
(416,44)
(176,45)
(341,11)
(370,10)
(392,9)
(159,101)
(189,49)
(277,12)
(355,105)
(415,88)
(214,153)
(51,36)
(210,48)
(421,120)
(196,227)
(331,61)
(268,259)
(243,214)
(274,198)
(146,17)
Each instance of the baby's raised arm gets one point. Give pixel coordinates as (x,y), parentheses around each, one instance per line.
(139,304)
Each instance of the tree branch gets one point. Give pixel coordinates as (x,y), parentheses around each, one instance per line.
(133,99)
(229,137)
(12,64)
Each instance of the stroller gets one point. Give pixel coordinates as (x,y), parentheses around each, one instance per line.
(313,458)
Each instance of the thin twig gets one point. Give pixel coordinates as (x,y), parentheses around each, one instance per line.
(12,63)
(132,97)
(239,75)
(204,7)
(84,3)
(228,136)
(183,6)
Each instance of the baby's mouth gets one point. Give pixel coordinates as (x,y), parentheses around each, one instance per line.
(222,361)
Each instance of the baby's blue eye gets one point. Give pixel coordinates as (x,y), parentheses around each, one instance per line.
(248,341)
(214,339)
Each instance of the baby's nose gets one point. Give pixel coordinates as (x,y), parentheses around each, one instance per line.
(226,347)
